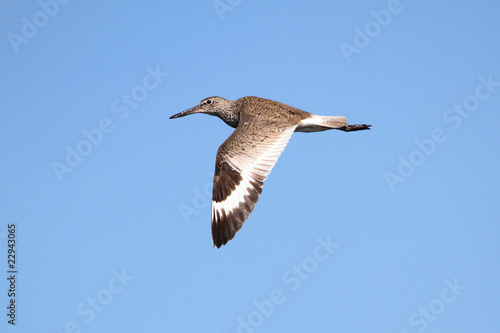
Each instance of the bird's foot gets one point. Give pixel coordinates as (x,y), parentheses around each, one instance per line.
(350,128)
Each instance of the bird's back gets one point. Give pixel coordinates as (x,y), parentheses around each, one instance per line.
(271,110)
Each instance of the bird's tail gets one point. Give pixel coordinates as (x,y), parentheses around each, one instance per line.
(321,123)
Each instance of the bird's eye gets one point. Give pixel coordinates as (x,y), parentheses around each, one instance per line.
(208,101)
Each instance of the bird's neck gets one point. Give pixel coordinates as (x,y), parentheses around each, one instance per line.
(232,117)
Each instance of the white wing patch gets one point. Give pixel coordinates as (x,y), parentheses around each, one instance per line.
(253,166)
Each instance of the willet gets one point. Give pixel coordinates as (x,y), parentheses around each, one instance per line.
(245,159)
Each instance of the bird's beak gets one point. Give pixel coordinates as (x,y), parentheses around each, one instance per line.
(196,109)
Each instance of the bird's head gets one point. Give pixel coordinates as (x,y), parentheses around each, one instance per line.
(215,106)
(210,105)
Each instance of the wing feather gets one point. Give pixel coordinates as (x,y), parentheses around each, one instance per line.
(242,165)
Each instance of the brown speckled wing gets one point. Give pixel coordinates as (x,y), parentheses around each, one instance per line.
(242,165)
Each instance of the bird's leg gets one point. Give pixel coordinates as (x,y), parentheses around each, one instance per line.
(350,128)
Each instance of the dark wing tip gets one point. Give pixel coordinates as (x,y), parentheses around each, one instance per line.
(225,225)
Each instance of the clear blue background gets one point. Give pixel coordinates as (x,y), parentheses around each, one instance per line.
(119,210)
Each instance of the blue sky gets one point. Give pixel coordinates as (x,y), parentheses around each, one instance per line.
(396,229)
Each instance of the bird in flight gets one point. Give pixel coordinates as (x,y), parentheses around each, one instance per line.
(263,128)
